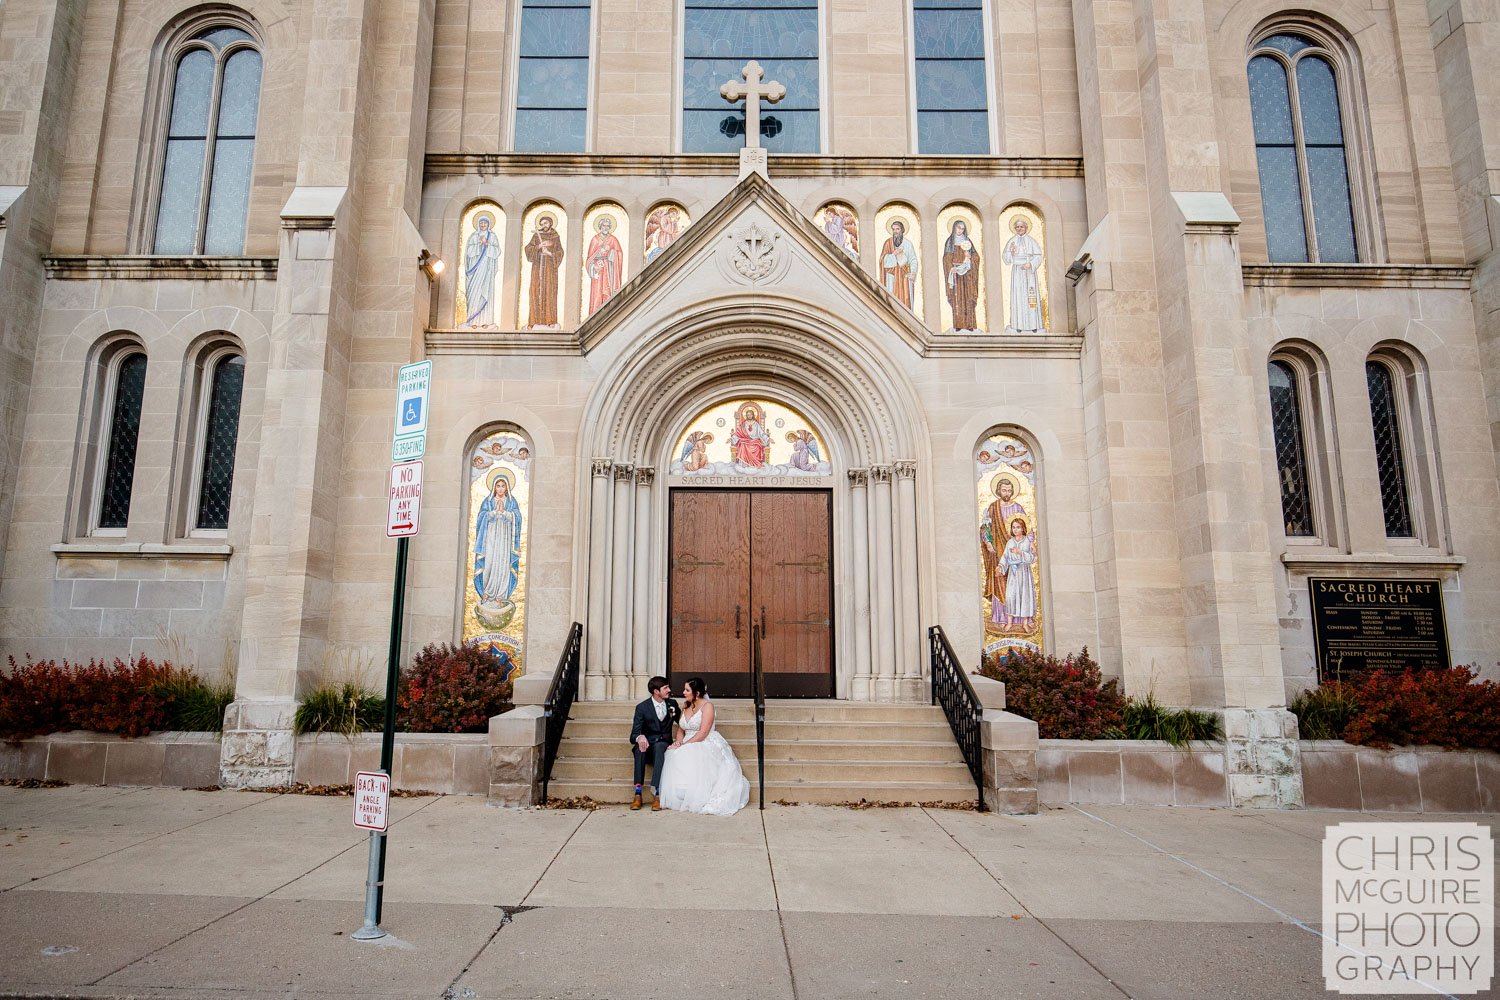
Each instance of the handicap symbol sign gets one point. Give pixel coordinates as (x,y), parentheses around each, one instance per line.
(411,413)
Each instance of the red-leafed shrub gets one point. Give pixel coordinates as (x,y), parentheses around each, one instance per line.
(1068,699)
(34,698)
(453,689)
(126,699)
(1446,708)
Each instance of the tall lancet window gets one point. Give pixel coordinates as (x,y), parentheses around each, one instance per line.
(221,436)
(1389,458)
(210,145)
(952,87)
(552,80)
(1300,152)
(118,475)
(1291,453)
(719,38)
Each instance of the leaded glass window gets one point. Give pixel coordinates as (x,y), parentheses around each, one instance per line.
(552,81)
(210,146)
(952,91)
(719,38)
(1300,152)
(1291,455)
(124,431)
(221,433)
(1389,460)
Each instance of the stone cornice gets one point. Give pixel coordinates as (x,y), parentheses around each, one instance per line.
(147,550)
(1357,275)
(153,267)
(1341,562)
(786,165)
(503,342)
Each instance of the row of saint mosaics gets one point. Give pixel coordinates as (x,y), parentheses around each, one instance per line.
(603,249)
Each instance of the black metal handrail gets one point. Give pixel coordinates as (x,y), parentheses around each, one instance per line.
(560,698)
(758,694)
(952,689)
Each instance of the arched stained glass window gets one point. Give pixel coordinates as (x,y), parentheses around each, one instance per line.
(1390,459)
(1300,152)
(552,82)
(719,37)
(952,90)
(124,432)
(1291,453)
(210,145)
(221,433)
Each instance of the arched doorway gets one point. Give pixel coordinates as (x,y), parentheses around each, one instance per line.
(871,441)
(750,542)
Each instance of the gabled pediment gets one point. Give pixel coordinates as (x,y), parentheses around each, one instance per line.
(753,243)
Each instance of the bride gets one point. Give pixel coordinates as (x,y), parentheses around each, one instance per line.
(701,773)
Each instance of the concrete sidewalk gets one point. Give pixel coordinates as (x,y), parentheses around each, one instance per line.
(115,892)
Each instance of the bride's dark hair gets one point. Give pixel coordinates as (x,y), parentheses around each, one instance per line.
(700,689)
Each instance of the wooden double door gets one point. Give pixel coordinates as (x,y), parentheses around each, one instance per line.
(752,557)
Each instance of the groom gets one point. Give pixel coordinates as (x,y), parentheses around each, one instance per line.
(650,735)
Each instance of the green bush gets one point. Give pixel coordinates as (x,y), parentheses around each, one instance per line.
(1324,712)
(344,708)
(193,704)
(1148,719)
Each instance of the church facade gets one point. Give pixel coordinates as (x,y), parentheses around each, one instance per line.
(1102,324)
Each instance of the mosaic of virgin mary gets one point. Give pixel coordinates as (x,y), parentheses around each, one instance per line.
(497,550)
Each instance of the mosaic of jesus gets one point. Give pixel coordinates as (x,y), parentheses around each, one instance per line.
(750,437)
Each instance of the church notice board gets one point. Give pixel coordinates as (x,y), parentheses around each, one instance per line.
(1374,624)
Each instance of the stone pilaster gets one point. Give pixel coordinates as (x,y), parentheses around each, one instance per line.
(596,630)
(862,684)
(640,657)
(622,535)
(289,592)
(39,41)
(909,644)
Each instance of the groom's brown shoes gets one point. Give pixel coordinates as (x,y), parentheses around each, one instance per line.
(635,803)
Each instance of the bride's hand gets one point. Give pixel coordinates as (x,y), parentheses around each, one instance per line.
(674,746)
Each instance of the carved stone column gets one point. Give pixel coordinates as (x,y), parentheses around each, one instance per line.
(596,633)
(860,688)
(908,625)
(620,580)
(641,615)
(883,581)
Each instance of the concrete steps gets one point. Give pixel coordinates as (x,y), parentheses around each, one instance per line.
(816,752)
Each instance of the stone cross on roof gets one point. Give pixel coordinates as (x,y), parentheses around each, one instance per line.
(752,92)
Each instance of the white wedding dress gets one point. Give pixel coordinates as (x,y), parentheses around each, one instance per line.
(704,776)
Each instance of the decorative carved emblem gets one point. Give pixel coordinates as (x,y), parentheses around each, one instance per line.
(644,475)
(880,473)
(859,478)
(624,472)
(755,252)
(905,469)
(600,466)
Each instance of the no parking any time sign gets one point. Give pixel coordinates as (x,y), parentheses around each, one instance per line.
(405,513)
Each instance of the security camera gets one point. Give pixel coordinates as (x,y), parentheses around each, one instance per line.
(1083,265)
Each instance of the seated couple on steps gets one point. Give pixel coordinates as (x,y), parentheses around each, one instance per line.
(693,768)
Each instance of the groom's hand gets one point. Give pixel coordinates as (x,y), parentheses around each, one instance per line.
(640,741)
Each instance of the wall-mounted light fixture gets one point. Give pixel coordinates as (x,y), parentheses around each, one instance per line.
(432,265)
(1083,265)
